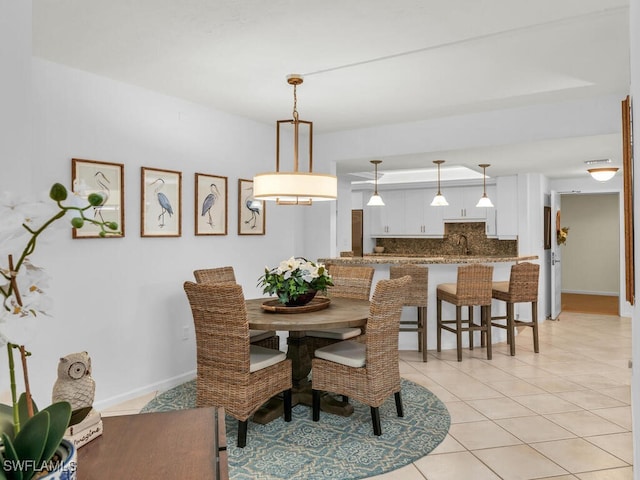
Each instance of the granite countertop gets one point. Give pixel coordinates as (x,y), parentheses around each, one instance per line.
(389,258)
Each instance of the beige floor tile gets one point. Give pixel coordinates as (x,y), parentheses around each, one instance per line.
(471,390)
(485,434)
(546,403)
(410,472)
(590,399)
(561,477)
(515,387)
(613,474)
(576,455)
(618,444)
(461,412)
(584,423)
(596,382)
(518,462)
(618,415)
(622,394)
(534,429)
(454,466)
(504,407)
(555,384)
(448,445)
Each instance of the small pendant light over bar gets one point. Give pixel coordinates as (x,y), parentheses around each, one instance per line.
(484,200)
(439,200)
(376,199)
(295,187)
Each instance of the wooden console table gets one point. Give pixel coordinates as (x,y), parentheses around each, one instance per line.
(177,444)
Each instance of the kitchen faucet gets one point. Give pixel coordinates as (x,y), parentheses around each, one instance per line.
(461,237)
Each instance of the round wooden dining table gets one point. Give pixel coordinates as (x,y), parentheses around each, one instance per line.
(341,313)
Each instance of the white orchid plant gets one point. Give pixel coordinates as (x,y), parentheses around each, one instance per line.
(294,277)
(23,285)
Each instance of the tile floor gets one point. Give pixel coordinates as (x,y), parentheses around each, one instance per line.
(563,413)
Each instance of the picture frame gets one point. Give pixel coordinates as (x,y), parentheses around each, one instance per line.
(211,205)
(106,178)
(160,203)
(251,212)
(547,228)
(627,173)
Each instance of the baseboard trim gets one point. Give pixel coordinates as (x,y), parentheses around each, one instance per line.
(161,385)
(588,292)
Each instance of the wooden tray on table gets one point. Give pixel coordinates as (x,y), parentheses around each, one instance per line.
(318,303)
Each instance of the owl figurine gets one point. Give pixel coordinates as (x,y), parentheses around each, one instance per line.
(75,384)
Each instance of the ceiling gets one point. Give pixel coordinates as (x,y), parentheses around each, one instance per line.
(365,62)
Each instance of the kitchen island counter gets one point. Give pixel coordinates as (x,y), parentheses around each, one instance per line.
(399,259)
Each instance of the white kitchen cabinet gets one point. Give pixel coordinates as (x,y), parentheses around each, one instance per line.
(420,218)
(388,220)
(506,203)
(462,203)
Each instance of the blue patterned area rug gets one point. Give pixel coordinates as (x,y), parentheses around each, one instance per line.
(335,448)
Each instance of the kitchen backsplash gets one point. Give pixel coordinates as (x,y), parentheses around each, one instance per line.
(459,239)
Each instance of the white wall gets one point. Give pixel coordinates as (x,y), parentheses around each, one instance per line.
(593,244)
(122,299)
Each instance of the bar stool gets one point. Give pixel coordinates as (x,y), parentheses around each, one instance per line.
(522,287)
(473,287)
(416,296)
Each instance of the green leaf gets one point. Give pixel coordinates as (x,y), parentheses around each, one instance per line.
(23,411)
(59,415)
(6,421)
(30,442)
(58,192)
(11,456)
(80,414)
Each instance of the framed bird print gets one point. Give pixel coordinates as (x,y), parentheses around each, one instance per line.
(161,203)
(251,212)
(107,179)
(211,204)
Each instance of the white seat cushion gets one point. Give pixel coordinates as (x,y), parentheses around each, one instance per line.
(264,357)
(257,335)
(335,333)
(349,353)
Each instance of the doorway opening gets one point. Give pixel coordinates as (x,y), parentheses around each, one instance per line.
(591,254)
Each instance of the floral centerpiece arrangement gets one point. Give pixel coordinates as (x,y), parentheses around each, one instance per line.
(31,438)
(295,281)
(562,235)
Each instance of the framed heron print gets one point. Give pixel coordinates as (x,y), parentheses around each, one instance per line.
(107,179)
(161,203)
(251,212)
(210,204)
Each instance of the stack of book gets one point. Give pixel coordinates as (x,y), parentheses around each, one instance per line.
(85,431)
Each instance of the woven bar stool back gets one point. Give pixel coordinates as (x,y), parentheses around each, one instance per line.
(522,287)
(416,296)
(231,373)
(472,288)
(263,338)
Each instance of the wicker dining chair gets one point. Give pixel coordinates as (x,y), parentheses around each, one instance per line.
(348,282)
(263,338)
(232,373)
(522,287)
(416,297)
(369,371)
(473,288)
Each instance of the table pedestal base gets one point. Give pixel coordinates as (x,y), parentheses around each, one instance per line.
(301,394)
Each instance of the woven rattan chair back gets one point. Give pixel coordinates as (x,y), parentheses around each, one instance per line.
(523,282)
(383,327)
(380,376)
(215,275)
(350,282)
(473,286)
(223,356)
